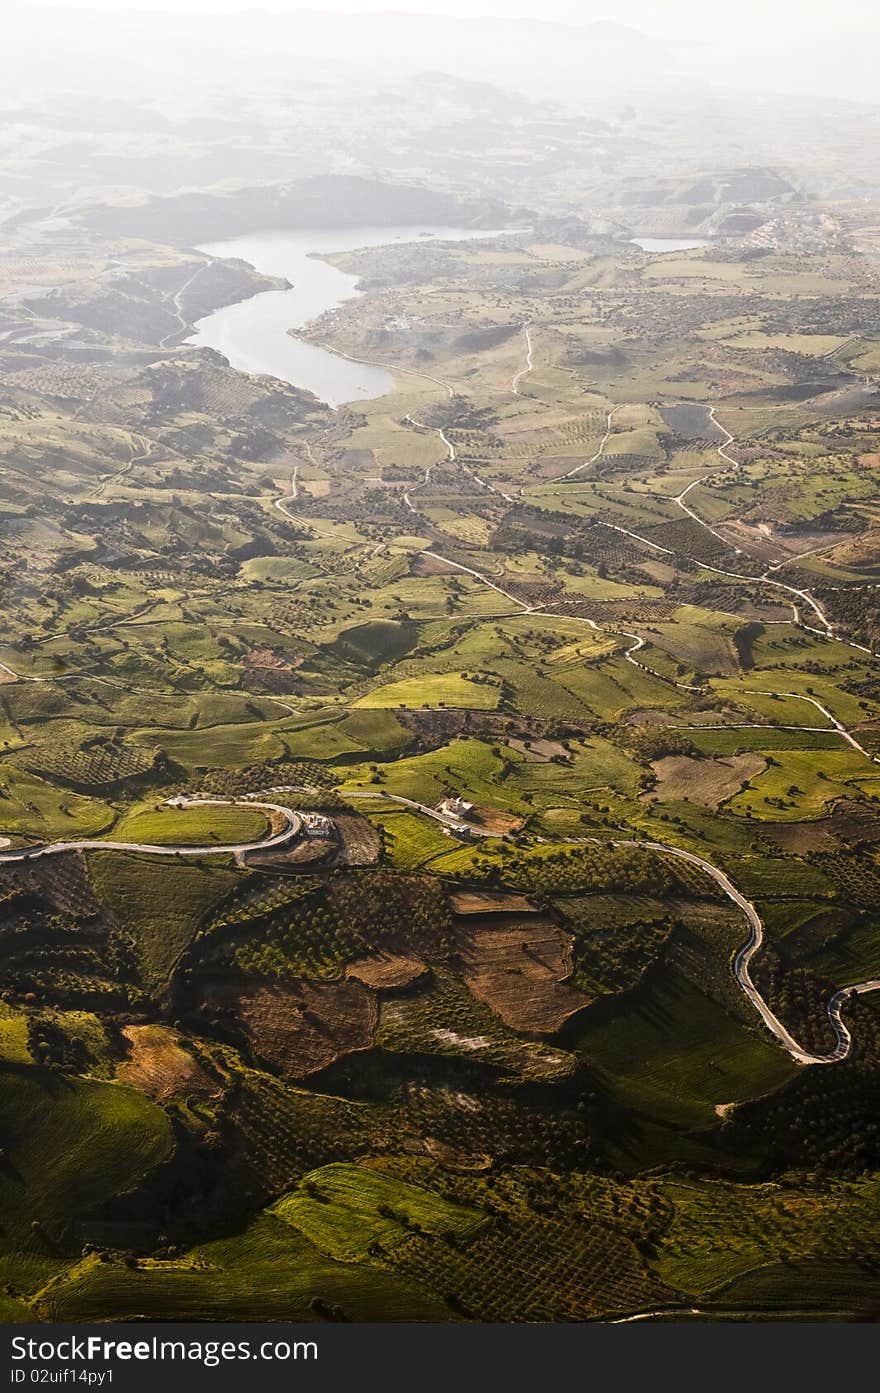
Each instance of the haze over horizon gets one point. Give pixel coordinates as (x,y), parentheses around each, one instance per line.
(679,16)
(789,48)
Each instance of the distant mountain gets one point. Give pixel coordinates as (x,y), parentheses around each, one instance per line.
(598,61)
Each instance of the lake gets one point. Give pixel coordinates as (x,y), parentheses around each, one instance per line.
(254,333)
(669,244)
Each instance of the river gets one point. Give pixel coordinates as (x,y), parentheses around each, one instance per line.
(254,334)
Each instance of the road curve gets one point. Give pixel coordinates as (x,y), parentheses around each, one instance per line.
(609,426)
(291,829)
(746,953)
(524,372)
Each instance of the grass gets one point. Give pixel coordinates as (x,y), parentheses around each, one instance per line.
(437,689)
(345,1210)
(229,746)
(411,841)
(672,1052)
(471,767)
(267,1272)
(163,826)
(813,1286)
(511,1205)
(33,808)
(69,1144)
(796,787)
(721,1232)
(14,1048)
(161,910)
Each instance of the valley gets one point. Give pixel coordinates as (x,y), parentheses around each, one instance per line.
(440,718)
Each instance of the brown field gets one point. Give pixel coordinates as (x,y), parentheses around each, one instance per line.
(432,566)
(539,751)
(260,658)
(309,852)
(360,845)
(158,1065)
(519,970)
(854,822)
(800,837)
(849,825)
(61,881)
(494,820)
(489,902)
(386,972)
(303,1028)
(707,781)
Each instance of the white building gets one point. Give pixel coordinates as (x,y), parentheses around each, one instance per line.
(316,825)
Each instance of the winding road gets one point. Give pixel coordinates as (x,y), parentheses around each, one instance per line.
(746,953)
(609,426)
(524,372)
(743,958)
(292,827)
(185,327)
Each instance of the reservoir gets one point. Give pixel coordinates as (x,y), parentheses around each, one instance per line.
(669,244)
(254,334)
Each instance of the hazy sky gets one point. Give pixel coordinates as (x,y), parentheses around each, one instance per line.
(697,17)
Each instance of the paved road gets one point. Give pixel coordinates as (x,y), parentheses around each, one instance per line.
(291,829)
(447,819)
(679,500)
(835,723)
(745,954)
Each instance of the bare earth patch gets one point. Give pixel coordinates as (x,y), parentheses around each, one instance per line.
(539,751)
(311,851)
(259,659)
(360,845)
(519,970)
(489,902)
(299,1030)
(388,971)
(707,781)
(495,821)
(800,837)
(423,565)
(851,824)
(158,1065)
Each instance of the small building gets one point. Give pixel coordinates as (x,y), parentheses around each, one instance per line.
(460,830)
(316,825)
(453,806)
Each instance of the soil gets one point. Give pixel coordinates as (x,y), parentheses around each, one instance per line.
(386,972)
(709,782)
(489,902)
(301,1029)
(158,1065)
(539,751)
(519,970)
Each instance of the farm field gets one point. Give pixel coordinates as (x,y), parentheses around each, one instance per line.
(440,812)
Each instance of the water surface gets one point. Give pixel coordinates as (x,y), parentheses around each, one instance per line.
(670,244)
(254,333)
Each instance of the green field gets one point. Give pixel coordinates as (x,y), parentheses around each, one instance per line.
(593,582)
